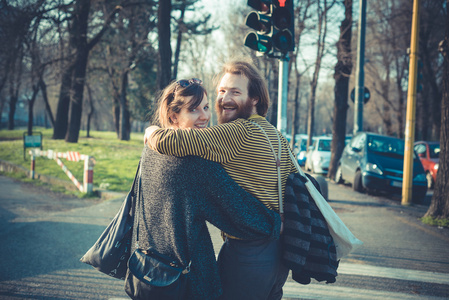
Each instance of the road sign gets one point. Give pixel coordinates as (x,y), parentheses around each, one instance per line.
(366,95)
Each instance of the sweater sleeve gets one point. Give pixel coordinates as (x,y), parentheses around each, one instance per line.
(231,209)
(219,143)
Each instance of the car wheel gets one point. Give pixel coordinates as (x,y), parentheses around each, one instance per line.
(339,176)
(430,182)
(358,186)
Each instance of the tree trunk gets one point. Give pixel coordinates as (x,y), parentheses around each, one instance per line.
(439,207)
(91,110)
(12,111)
(322,32)
(296,104)
(79,71)
(76,102)
(164,37)
(181,29)
(43,88)
(124,111)
(15,80)
(343,70)
(31,108)
(62,110)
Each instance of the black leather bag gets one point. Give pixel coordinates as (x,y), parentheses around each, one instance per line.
(111,251)
(153,275)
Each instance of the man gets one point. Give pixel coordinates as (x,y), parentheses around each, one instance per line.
(248,269)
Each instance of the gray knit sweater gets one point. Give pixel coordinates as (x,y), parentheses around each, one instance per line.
(179,196)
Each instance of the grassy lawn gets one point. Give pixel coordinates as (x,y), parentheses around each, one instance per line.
(115,161)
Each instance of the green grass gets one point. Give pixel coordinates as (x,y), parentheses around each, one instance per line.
(115,161)
(435,221)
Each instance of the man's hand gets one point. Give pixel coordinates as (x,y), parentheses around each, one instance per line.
(148,138)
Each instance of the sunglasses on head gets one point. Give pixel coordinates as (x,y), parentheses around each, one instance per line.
(187,82)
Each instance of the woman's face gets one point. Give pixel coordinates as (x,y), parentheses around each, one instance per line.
(197,118)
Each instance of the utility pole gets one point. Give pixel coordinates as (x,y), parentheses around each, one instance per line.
(407,182)
(360,74)
(282,95)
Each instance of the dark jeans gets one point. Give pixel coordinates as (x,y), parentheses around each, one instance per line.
(251,270)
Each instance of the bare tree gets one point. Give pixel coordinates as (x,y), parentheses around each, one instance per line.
(439,207)
(74,75)
(322,13)
(343,70)
(432,18)
(192,28)
(301,16)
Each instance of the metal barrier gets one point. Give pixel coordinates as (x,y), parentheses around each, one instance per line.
(89,162)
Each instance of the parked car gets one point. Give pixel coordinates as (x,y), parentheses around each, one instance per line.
(301,144)
(373,162)
(319,155)
(428,153)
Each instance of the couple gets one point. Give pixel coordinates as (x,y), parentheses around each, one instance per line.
(226,175)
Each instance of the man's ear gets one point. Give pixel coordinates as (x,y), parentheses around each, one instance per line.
(255,100)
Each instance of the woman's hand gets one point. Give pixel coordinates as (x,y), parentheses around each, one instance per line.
(148,138)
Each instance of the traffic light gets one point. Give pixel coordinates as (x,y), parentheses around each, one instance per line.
(259,20)
(273,21)
(284,29)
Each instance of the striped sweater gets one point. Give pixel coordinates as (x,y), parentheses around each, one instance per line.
(241,148)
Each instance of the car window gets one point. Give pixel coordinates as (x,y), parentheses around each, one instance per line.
(324,145)
(420,148)
(355,141)
(386,146)
(359,142)
(434,150)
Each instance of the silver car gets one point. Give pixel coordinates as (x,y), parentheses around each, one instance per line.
(319,155)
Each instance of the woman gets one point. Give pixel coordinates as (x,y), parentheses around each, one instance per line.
(181,194)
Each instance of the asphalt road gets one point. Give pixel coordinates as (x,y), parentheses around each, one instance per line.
(43,235)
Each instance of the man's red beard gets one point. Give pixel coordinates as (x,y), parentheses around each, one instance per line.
(244,111)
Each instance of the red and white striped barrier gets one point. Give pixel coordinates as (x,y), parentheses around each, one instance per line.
(89,162)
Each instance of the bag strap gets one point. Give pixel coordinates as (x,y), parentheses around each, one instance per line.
(138,199)
(277,159)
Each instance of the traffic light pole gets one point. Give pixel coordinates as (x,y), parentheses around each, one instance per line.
(407,182)
(282,95)
(360,78)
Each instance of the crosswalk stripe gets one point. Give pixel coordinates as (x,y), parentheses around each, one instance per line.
(393,273)
(331,292)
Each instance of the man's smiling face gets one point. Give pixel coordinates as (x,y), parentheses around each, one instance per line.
(232,100)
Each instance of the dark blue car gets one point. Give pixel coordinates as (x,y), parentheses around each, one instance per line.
(373,162)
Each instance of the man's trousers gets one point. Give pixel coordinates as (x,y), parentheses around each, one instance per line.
(252,269)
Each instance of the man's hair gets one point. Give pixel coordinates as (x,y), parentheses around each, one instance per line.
(173,98)
(257,87)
